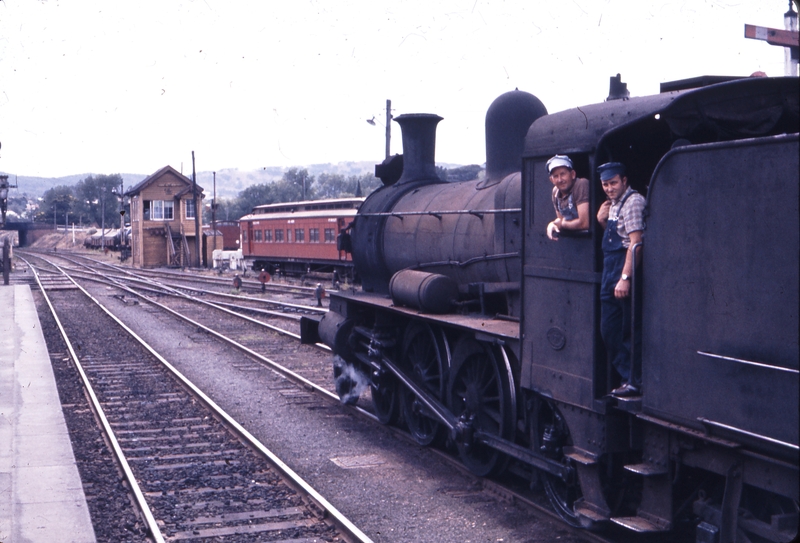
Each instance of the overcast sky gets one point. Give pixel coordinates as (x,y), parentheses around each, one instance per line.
(100,86)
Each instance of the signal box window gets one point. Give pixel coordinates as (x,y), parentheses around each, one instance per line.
(268,236)
(257,235)
(189,206)
(278,235)
(300,235)
(161,210)
(313,235)
(329,235)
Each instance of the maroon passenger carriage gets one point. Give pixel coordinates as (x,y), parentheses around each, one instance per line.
(298,237)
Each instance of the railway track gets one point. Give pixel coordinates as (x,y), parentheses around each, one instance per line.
(151,282)
(195,472)
(309,372)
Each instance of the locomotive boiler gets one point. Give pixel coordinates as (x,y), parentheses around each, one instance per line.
(476,331)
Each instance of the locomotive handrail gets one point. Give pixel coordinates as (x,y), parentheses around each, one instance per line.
(634,361)
(748,362)
(734,429)
(473,260)
(478,212)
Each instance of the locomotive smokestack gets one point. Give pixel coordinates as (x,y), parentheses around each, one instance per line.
(419,146)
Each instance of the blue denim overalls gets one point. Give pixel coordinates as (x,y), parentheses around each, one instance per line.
(615,314)
(570,212)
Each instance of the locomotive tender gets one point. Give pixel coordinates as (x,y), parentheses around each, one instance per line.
(474,328)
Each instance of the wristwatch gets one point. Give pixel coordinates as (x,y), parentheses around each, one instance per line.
(625,277)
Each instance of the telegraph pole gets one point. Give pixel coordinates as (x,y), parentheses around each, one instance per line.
(196,215)
(214,213)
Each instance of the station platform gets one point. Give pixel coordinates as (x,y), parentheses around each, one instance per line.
(41,494)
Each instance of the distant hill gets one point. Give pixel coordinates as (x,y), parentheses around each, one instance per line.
(33,187)
(230,181)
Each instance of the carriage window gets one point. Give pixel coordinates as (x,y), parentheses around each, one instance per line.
(257,235)
(329,235)
(313,235)
(288,235)
(268,236)
(278,235)
(299,235)
(244,236)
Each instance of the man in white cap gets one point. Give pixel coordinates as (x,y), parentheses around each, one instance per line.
(570,197)
(622,217)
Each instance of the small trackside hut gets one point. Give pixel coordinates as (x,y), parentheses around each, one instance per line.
(163,209)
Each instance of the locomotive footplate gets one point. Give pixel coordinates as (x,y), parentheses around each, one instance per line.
(502,328)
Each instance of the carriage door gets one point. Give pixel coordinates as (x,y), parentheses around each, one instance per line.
(560,292)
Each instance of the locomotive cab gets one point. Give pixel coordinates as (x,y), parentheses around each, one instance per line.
(719,358)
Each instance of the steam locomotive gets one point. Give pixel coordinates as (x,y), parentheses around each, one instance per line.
(474,329)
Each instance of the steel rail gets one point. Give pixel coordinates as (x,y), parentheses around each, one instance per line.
(184,296)
(243,348)
(342,522)
(141,503)
(171,290)
(109,280)
(493,487)
(164,284)
(149,281)
(205,279)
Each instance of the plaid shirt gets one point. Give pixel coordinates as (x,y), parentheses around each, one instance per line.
(630,217)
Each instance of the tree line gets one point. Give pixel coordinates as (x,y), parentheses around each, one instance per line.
(98,197)
(295,185)
(94,200)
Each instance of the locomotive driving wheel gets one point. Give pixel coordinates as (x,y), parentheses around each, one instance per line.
(551,435)
(425,358)
(481,394)
(385,398)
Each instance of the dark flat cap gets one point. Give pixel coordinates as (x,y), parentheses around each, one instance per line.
(610,169)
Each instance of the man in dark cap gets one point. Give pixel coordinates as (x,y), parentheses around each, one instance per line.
(622,217)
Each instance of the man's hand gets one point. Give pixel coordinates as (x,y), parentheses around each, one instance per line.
(602,213)
(623,289)
(553,230)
